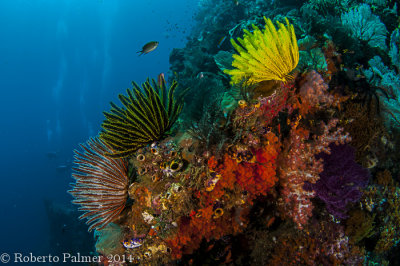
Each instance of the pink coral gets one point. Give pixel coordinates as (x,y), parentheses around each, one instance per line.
(299,165)
(275,103)
(315,91)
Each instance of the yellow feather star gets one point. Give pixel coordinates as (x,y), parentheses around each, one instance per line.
(270,54)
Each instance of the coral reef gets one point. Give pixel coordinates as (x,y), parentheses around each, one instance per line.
(263,166)
(300,166)
(383,198)
(323,244)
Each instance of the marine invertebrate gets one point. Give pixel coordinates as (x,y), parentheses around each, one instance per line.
(265,55)
(211,130)
(330,6)
(256,176)
(366,26)
(315,91)
(341,180)
(147,115)
(385,86)
(365,128)
(394,48)
(108,240)
(298,166)
(311,56)
(101,186)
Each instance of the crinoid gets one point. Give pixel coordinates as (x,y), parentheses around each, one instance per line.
(148,113)
(101,186)
(267,54)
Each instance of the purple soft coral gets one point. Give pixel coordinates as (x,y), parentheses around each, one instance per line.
(340,181)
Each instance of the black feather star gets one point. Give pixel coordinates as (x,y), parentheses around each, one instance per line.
(147,114)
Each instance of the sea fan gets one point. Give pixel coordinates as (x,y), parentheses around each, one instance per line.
(366,26)
(265,55)
(148,114)
(101,184)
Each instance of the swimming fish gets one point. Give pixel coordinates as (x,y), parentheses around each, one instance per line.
(359,67)
(347,51)
(148,47)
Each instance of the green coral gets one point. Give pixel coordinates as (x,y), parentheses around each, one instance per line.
(148,113)
(311,56)
(366,26)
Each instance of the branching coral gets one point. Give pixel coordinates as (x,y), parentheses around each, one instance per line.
(101,184)
(145,118)
(315,91)
(265,55)
(299,166)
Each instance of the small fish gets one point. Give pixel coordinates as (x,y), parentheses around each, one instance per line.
(347,51)
(148,47)
(359,67)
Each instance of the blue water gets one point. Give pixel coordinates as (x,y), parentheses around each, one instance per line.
(61,63)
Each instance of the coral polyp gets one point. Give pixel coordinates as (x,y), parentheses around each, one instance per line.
(101,186)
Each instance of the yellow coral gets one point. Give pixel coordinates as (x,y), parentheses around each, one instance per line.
(265,55)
